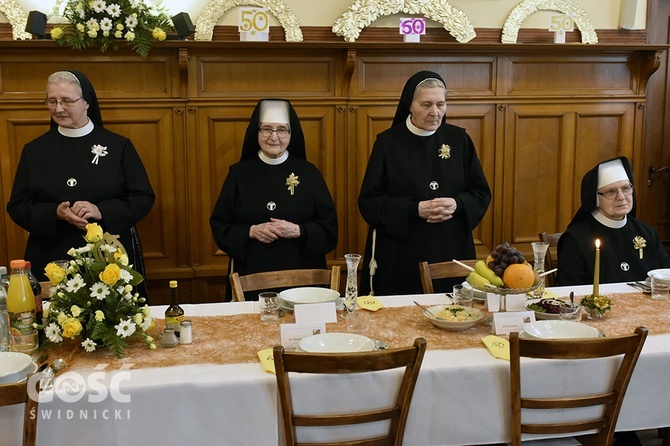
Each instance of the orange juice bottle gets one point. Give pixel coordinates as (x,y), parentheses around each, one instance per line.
(21,309)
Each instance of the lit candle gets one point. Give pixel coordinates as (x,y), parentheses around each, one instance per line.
(596,269)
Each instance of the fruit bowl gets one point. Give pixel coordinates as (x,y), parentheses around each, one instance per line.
(502,290)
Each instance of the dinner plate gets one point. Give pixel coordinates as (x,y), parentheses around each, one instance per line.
(539,315)
(287,306)
(308,295)
(337,343)
(479,296)
(560,330)
(659,271)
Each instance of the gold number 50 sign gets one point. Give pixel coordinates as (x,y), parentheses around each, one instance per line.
(253,20)
(562,22)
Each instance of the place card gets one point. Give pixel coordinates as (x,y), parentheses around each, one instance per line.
(515,302)
(499,347)
(292,334)
(509,321)
(369,303)
(314,313)
(267,360)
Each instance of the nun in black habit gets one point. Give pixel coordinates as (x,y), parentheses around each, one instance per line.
(423,193)
(629,248)
(78,173)
(274,211)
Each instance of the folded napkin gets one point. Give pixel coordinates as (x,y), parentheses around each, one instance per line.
(499,347)
(267,360)
(369,303)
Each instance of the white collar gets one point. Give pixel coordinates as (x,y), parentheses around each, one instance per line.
(606,221)
(416,130)
(273,161)
(77,133)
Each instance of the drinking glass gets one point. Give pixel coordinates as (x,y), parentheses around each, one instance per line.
(351,293)
(539,253)
(358,321)
(570,312)
(462,296)
(269,306)
(660,286)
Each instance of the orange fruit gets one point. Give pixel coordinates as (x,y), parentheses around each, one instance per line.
(518,275)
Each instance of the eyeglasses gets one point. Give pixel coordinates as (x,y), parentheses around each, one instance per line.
(267,132)
(65,103)
(611,194)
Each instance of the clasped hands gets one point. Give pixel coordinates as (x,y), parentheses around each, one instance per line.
(274,229)
(79,213)
(437,210)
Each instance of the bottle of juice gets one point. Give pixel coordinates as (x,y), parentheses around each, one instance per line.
(21,309)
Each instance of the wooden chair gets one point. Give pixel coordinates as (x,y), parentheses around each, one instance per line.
(550,262)
(17,393)
(284,279)
(409,358)
(610,400)
(441,270)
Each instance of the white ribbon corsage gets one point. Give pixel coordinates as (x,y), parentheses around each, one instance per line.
(98,151)
(639,243)
(292,182)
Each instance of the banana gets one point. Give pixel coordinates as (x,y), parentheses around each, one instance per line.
(487,273)
(477,280)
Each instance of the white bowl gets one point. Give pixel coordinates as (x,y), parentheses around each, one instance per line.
(560,330)
(308,295)
(449,325)
(659,271)
(336,343)
(14,366)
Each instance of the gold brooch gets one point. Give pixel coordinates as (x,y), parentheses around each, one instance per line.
(639,243)
(292,182)
(445,152)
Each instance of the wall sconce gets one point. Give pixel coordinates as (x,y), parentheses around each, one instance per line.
(183,25)
(37,24)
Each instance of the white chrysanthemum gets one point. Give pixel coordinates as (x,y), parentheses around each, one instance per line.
(89,345)
(92,25)
(114,10)
(135,3)
(99,6)
(75,284)
(106,25)
(126,276)
(52,331)
(125,328)
(131,22)
(99,290)
(146,324)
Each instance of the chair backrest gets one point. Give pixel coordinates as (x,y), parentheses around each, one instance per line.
(284,279)
(17,393)
(610,400)
(409,358)
(551,259)
(441,270)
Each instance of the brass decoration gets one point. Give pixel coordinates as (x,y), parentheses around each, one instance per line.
(640,243)
(363,12)
(529,7)
(445,152)
(204,27)
(292,182)
(16,17)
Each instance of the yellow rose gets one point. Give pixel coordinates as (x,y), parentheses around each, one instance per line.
(75,310)
(71,327)
(99,315)
(118,34)
(55,273)
(158,34)
(121,257)
(57,33)
(138,318)
(92,33)
(111,274)
(93,233)
(61,318)
(80,27)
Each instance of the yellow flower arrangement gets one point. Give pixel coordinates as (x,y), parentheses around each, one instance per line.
(600,304)
(108,22)
(93,298)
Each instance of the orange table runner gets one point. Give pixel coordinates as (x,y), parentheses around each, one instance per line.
(237,338)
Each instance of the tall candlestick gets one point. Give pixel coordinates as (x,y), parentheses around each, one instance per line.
(596,269)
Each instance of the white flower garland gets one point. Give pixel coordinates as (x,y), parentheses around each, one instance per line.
(204,27)
(17,17)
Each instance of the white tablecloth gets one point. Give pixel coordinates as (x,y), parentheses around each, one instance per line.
(462,397)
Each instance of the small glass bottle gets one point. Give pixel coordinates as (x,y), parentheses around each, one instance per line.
(37,291)
(21,309)
(5,340)
(174,314)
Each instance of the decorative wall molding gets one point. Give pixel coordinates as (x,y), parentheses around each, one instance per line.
(204,27)
(363,12)
(529,7)
(17,17)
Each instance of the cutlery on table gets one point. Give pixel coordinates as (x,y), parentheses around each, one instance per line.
(425,309)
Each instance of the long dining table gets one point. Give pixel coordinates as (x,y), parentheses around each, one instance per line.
(215,390)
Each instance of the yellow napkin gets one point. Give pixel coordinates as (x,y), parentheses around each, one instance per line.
(369,303)
(499,347)
(545,295)
(267,359)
